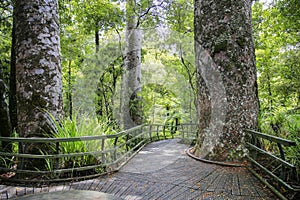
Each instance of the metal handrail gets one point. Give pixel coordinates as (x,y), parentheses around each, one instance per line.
(114,151)
(284,165)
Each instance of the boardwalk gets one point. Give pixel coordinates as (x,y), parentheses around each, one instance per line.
(163,171)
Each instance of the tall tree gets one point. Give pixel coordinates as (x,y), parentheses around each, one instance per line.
(277,50)
(38,66)
(226,74)
(131,106)
(5,130)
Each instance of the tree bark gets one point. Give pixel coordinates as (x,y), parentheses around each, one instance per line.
(226,76)
(70,89)
(131,105)
(38,69)
(6,129)
(12,80)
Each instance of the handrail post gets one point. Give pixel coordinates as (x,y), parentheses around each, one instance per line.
(56,160)
(127,138)
(21,150)
(157,132)
(150,132)
(182,128)
(283,173)
(102,149)
(255,141)
(115,150)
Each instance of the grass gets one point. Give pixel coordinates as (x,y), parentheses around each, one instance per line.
(78,127)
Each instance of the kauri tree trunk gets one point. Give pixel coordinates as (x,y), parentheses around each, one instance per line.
(38,68)
(131,104)
(226,78)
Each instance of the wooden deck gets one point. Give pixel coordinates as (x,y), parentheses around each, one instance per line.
(181,178)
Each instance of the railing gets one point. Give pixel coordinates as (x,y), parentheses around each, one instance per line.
(274,166)
(102,154)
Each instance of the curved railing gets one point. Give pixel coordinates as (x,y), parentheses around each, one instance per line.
(273,165)
(106,153)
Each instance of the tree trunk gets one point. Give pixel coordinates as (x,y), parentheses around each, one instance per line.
(97,41)
(6,129)
(38,69)
(226,78)
(12,80)
(131,105)
(70,90)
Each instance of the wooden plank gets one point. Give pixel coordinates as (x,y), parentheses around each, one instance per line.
(4,195)
(235,185)
(94,185)
(246,187)
(29,190)
(67,187)
(229,183)
(123,185)
(20,191)
(214,184)
(150,190)
(278,194)
(208,180)
(113,187)
(8,192)
(223,182)
(107,185)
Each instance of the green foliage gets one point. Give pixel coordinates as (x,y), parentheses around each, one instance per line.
(98,14)
(96,83)
(166,93)
(277,53)
(276,34)
(5,36)
(283,122)
(9,162)
(180,16)
(79,22)
(78,127)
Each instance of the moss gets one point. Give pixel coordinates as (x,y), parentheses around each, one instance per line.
(241,41)
(38,100)
(220,44)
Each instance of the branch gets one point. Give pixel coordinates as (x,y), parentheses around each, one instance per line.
(146,12)
(120,39)
(190,75)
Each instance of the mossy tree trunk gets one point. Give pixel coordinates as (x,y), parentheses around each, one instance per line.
(226,74)
(38,69)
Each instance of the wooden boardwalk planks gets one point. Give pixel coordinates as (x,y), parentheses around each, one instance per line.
(183,179)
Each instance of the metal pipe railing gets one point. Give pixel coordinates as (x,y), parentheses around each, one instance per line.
(108,153)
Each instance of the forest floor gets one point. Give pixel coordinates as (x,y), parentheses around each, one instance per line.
(162,170)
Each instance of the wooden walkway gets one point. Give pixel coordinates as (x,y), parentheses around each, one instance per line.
(167,174)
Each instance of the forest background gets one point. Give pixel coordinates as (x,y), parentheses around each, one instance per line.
(92,46)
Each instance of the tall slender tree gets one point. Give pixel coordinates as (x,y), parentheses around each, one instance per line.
(38,66)
(227,88)
(131,106)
